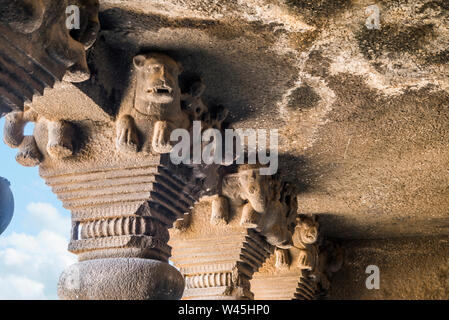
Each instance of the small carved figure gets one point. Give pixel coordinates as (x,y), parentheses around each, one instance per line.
(158,98)
(268,205)
(305,238)
(60,135)
(194,105)
(282,258)
(192,102)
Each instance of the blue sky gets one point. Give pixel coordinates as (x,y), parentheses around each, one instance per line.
(33,250)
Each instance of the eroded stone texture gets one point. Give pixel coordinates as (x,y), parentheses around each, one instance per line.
(410,269)
(37,49)
(361,112)
(362,115)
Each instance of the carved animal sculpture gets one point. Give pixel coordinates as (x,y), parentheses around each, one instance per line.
(48,19)
(6,204)
(193,104)
(158,99)
(269,206)
(305,238)
(60,134)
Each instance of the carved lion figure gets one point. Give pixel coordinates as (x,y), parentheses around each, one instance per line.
(157,97)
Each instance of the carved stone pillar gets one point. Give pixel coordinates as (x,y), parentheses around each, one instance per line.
(217,261)
(301,272)
(115,175)
(121,214)
(229,235)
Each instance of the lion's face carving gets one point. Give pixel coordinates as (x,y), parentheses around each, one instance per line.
(157,87)
(306,231)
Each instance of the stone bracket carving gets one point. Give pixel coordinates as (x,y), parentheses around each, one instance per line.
(37,49)
(122,189)
(59,133)
(267,204)
(303,271)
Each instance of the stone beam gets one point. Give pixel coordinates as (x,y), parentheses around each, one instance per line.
(37,49)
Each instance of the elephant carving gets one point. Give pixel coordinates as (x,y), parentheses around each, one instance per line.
(268,204)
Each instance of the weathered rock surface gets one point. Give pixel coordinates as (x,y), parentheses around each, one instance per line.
(362,113)
(412,268)
(121,279)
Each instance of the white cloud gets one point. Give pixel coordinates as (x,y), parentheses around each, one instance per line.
(30,265)
(47,217)
(20,288)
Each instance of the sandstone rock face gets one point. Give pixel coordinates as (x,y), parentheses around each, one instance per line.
(410,269)
(361,112)
(39,47)
(358,91)
(6,204)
